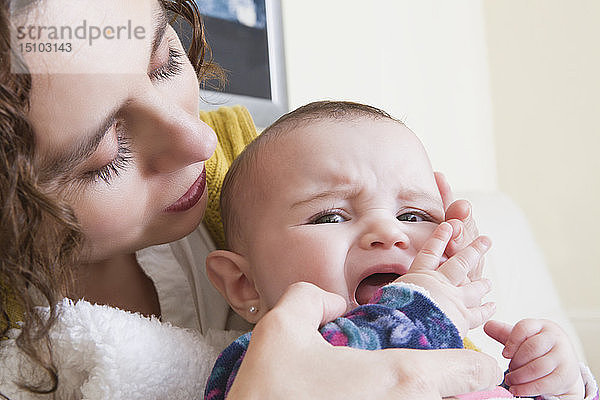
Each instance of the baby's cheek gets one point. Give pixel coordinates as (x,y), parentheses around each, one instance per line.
(422,233)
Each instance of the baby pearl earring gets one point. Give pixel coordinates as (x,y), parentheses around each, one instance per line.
(253,310)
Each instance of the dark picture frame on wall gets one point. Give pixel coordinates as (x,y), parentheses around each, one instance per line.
(246,39)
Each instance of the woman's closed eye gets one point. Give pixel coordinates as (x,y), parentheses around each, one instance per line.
(171,68)
(329,217)
(117,164)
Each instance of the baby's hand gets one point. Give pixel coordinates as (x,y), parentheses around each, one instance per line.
(448,284)
(543,361)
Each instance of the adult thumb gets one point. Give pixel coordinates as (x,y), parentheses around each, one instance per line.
(306,307)
(458,371)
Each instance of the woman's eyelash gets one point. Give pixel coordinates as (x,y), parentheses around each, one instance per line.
(171,68)
(117,165)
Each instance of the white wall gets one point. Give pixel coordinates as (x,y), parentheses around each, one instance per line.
(422,61)
(545,79)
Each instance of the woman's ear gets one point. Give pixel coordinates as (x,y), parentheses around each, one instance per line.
(229,273)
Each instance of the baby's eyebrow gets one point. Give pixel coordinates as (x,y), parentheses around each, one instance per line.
(343,192)
(421,197)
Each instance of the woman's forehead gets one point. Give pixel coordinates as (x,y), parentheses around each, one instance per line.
(84,36)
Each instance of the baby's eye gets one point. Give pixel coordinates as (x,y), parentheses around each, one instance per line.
(328,218)
(411,217)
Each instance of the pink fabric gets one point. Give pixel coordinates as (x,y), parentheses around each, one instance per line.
(498,392)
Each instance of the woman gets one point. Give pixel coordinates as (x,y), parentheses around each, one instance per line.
(103,155)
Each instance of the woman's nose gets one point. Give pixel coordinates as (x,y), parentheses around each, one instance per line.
(384,233)
(169,137)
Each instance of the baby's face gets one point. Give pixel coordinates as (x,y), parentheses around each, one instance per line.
(344,205)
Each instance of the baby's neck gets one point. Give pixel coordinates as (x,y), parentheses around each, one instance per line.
(118,282)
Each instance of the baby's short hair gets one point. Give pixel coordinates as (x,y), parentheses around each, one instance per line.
(244,172)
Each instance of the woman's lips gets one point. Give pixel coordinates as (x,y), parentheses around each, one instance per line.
(191,197)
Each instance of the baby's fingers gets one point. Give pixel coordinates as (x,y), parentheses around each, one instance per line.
(472,292)
(530,389)
(532,348)
(498,330)
(558,381)
(459,265)
(429,256)
(532,371)
(523,330)
(478,315)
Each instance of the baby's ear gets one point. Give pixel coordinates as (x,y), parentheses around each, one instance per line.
(229,273)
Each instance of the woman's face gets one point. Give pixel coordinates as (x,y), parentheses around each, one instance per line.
(122,144)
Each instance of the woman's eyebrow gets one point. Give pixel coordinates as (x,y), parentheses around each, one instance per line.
(159,31)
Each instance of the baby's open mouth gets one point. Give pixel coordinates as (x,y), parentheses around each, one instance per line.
(368,286)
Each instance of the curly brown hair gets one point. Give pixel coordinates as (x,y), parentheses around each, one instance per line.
(40,238)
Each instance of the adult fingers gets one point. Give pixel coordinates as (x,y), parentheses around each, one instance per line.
(453,371)
(459,265)
(433,249)
(304,306)
(444,188)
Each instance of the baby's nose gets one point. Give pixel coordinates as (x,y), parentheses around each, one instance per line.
(384,233)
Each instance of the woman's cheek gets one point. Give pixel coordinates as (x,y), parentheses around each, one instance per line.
(111,219)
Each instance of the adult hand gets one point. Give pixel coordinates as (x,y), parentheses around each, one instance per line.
(459,215)
(288,358)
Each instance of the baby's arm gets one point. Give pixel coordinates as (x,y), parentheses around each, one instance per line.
(543,361)
(448,283)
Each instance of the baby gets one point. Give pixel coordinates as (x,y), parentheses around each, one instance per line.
(343,196)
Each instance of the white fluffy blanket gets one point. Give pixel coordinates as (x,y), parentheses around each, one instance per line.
(106,353)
